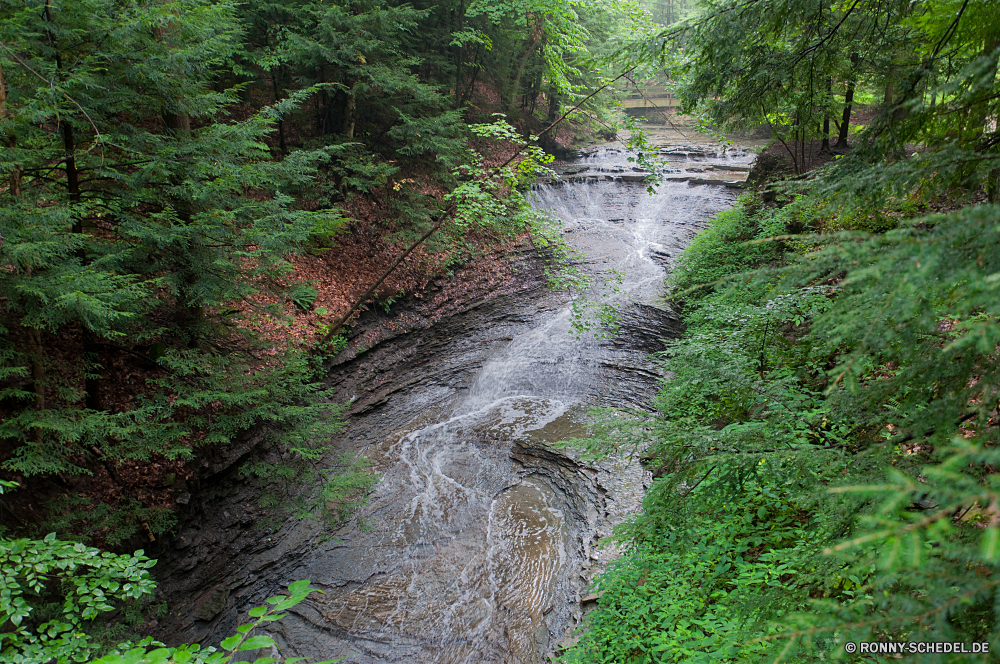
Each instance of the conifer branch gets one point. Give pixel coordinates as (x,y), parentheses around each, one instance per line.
(53,86)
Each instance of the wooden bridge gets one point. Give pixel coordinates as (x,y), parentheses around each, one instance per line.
(649,96)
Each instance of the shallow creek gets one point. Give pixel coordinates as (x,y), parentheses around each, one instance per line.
(480,540)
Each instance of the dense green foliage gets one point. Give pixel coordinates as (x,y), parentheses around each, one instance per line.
(826,443)
(127,236)
(52,591)
(49,589)
(726,248)
(799,66)
(825,449)
(744,446)
(702,584)
(53,594)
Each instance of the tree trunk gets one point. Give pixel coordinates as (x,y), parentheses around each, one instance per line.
(889,93)
(790,150)
(890,88)
(548,142)
(459,55)
(536,86)
(91,385)
(475,74)
(190,315)
(529,48)
(993,186)
(281,123)
(553,105)
(175,121)
(806,163)
(91,398)
(15,174)
(178,122)
(349,107)
(992,124)
(37,370)
(72,174)
(321,104)
(845,121)
(825,149)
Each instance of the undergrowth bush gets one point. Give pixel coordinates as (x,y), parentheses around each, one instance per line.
(825,453)
(56,597)
(708,570)
(723,249)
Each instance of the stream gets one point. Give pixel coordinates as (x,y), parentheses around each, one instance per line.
(479,542)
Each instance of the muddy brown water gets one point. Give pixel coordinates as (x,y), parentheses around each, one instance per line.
(480,540)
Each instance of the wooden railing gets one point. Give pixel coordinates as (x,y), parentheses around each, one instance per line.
(649,97)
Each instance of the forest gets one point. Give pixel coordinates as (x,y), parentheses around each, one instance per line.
(201,200)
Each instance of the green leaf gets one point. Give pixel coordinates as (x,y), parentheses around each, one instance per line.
(230,642)
(301,587)
(990,546)
(256,642)
(273,617)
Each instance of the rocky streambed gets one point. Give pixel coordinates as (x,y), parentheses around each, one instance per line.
(480,540)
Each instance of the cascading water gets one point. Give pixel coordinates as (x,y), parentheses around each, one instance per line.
(475,548)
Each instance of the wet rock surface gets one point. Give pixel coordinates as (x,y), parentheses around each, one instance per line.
(479,543)
(725,166)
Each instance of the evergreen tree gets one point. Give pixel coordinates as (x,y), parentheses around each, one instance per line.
(134,220)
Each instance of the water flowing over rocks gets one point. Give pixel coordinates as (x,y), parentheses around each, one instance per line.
(479,542)
(726,166)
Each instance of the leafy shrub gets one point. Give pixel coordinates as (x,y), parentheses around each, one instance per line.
(303,294)
(149,651)
(725,248)
(829,433)
(53,591)
(680,596)
(50,590)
